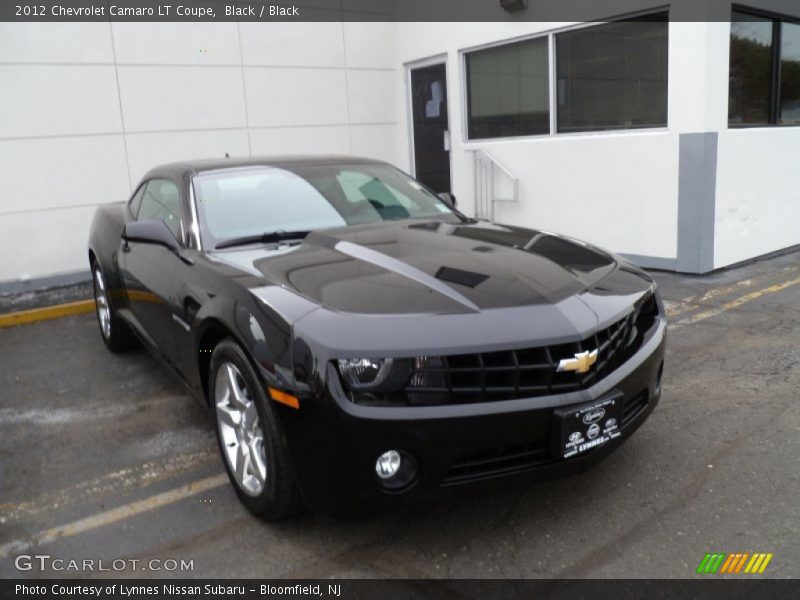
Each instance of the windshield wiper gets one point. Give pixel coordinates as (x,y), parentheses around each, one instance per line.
(262,238)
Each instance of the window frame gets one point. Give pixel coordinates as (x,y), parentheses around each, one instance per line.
(129,203)
(549,47)
(775,68)
(553,82)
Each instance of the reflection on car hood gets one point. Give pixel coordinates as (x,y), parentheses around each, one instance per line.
(411,267)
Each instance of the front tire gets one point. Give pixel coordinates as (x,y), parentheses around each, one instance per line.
(249,436)
(115,332)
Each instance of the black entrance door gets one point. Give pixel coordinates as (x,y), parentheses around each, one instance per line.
(431,129)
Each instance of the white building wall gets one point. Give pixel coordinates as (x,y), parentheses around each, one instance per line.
(88,108)
(618,189)
(758,193)
(758,178)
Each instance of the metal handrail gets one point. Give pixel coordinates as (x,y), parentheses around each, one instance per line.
(485,165)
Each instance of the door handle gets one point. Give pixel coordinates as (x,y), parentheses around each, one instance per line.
(447,144)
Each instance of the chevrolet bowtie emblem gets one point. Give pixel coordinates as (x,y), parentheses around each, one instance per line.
(582,362)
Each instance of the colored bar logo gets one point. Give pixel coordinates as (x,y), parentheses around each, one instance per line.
(734,563)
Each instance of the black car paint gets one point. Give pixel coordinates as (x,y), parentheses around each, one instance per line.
(377,291)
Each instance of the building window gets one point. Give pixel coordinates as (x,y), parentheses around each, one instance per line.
(613,76)
(508,90)
(764,79)
(790,74)
(609,76)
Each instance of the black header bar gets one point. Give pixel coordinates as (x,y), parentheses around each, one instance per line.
(707,588)
(372,10)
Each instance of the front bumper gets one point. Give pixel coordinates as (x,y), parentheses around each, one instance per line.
(334,443)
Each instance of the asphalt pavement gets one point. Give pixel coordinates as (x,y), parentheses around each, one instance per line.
(105,457)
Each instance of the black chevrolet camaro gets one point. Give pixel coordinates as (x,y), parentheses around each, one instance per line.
(358,340)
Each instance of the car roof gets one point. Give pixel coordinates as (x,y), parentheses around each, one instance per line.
(215,164)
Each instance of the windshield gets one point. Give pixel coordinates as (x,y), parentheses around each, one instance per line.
(241,202)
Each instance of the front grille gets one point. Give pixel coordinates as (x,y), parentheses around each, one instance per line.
(508,460)
(527,372)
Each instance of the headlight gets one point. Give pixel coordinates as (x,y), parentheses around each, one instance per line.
(428,374)
(418,381)
(360,373)
(374,373)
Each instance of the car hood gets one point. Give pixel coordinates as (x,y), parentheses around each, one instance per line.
(440,267)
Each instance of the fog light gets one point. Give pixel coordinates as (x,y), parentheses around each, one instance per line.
(396,470)
(388,464)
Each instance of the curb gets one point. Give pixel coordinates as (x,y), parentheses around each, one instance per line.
(33,315)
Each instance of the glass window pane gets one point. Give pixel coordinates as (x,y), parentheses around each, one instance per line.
(162,200)
(613,76)
(508,90)
(250,201)
(258,200)
(750,70)
(790,74)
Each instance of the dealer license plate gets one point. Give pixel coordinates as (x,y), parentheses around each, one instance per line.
(583,427)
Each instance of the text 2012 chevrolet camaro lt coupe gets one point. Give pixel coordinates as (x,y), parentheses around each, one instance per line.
(359,340)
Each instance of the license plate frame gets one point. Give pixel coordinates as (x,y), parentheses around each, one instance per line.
(583,427)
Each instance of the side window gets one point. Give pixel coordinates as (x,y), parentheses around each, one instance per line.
(136,201)
(162,200)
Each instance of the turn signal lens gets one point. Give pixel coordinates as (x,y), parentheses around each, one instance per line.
(284,398)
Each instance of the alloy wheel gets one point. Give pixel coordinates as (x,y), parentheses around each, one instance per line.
(240,430)
(101,303)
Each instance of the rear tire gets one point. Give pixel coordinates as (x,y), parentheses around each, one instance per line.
(249,436)
(116,334)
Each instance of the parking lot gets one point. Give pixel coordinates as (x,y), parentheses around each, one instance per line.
(104,456)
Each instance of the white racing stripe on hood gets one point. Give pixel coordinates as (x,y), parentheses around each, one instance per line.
(397,266)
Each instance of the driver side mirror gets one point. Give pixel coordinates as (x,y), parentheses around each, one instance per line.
(152,231)
(448,199)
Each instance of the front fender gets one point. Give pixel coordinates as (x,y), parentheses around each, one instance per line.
(104,243)
(263,334)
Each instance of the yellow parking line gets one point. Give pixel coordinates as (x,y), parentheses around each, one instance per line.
(115,514)
(48,312)
(688,304)
(120,481)
(734,303)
